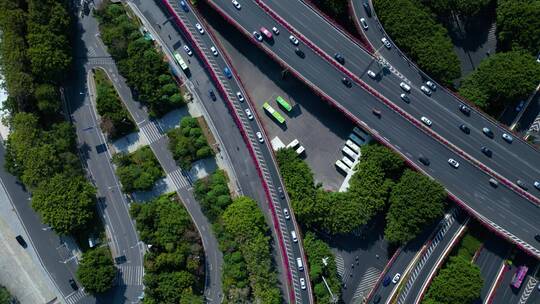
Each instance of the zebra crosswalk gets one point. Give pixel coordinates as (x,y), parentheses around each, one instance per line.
(340,265)
(178,179)
(367,282)
(75,296)
(529,288)
(130,275)
(151,132)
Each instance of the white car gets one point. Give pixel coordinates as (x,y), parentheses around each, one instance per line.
(386,43)
(293,40)
(364,23)
(248,114)
(453,163)
(236,4)
(537,184)
(286,212)
(371,74)
(426,90)
(405,87)
(258,36)
(240,96)
(302,283)
(431,85)
(260,137)
(188,50)
(275,30)
(396,278)
(507,137)
(214,51)
(426,121)
(199,28)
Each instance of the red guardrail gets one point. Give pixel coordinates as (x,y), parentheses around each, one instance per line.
(222,91)
(357,121)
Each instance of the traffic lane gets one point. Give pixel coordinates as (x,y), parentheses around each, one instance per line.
(528,155)
(445,110)
(398,124)
(489,261)
(414,291)
(255,127)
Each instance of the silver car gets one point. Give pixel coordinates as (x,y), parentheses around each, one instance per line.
(248,114)
(426,90)
(293,40)
(386,43)
(260,137)
(453,163)
(199,28)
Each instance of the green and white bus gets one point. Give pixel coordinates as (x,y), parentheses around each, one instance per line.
(283,103)
(273,112)
(180,61)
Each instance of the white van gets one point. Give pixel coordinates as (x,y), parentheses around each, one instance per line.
(299,264)
(294,238)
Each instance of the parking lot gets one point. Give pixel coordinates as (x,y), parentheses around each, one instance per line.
(319,128)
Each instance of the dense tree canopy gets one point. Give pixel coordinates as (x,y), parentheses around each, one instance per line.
(5,296)
(415,202)
(65,203)
(174,266)
(96,270)
(116,121)
(188,142)
(138,60)
(518,25)
(317,250)
(341,212)
(243,222)
(465,8)
(139,170)
(500,80)
(416,32)
(458,282)
(213,194)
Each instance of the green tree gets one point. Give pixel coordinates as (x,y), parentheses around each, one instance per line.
(316,251)
(96,270)
(6,297)
(188,143)
(415,202)
(65,203)
(501,80)
(139,170)
(518,25)
(213,194)
(414,29)
(458,282)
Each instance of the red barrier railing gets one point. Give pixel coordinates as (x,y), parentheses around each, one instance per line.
(356,120)
(229,103)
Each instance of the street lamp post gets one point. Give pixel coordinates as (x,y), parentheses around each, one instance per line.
(333,298)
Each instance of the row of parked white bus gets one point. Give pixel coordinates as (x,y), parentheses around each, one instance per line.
(351,150)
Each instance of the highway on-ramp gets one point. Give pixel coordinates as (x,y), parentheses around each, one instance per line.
(510,213)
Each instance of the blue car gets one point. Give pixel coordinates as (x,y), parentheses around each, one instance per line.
(227,72)
(184,6)
(386,281)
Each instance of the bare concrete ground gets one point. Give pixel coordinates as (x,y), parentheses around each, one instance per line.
(320,129)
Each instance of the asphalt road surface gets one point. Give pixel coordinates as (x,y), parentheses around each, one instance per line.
(500,207)
(263,154)
(490,260)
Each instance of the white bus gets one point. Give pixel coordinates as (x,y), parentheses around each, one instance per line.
(347,162)
(342,166)
(300,150)
(293,144)
(350,153)
(353,146)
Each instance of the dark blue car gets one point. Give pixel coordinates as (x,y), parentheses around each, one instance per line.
(227,72)
(184,6)
(386,281)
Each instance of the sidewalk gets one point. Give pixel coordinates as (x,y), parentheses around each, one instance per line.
(20,272)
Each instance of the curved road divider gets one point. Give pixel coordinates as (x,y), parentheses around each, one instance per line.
(236,118)
(492,226)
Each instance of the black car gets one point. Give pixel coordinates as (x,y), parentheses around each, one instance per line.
(424,160)
(300,53)
(73,284)
(465,129)
(486,151)
(465,110)
(339,58)
(487,132)
(367,8)
(522,185)
(21,241)
(281,193)
(347,82)
(537,237)
(212,95)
